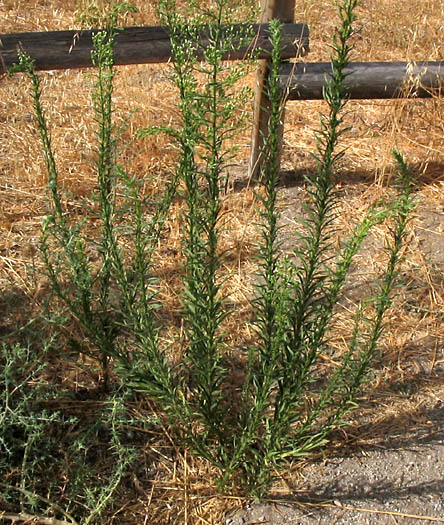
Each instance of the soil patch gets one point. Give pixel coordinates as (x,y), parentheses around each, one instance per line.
(398,481)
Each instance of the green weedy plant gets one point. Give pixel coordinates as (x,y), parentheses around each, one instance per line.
(95,294)
(36,439)
(278,415)
(25,443)
(87,499)
(191,394)
(295,300)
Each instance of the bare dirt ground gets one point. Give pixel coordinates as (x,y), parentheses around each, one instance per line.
(398,480)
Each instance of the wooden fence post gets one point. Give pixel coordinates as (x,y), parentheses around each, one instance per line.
(283,10)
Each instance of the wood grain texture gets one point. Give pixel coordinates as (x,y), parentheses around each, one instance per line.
(134,45)
(366,80)
(282,10)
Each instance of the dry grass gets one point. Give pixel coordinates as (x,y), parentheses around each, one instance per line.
(173,487)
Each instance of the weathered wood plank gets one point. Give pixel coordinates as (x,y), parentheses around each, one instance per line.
(282,10)
(366,80)
(134,45)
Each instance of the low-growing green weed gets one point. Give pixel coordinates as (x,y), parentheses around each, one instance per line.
(277,415)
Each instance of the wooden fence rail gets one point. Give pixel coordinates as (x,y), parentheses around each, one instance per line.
(133,45)
(301,81)
(365,80)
